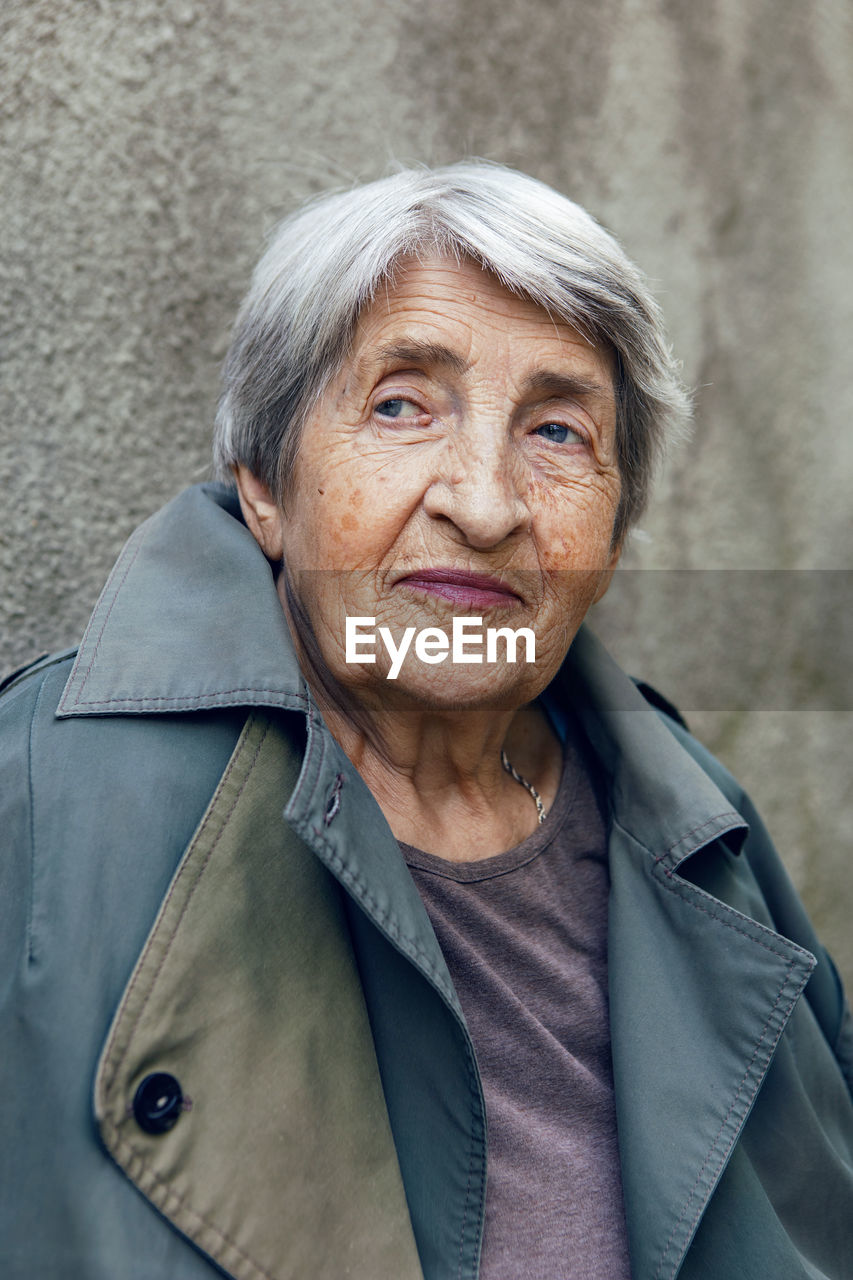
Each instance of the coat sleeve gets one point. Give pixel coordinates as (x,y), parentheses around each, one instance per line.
(825,992)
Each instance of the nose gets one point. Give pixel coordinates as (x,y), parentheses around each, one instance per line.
(479,490)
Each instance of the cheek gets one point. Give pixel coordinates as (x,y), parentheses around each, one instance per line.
(574,529)
(353,504)
(339,524)
(340,520)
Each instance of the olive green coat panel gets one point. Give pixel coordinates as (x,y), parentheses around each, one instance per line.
(247,989)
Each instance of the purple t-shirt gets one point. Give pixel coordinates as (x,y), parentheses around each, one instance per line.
(524,935)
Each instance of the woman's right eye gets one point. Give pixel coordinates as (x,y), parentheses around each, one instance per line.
(398,408)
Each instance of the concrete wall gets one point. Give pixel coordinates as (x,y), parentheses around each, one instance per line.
(148,145)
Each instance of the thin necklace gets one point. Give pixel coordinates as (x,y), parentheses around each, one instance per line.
(528,786)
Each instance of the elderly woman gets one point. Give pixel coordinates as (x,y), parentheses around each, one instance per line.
(358,906)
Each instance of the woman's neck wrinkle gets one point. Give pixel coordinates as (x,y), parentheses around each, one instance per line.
(427,758)
(440,782)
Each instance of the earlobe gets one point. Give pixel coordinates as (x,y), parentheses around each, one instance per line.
(261,512)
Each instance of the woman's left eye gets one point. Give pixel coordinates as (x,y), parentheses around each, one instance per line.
(398,408)
(558,432)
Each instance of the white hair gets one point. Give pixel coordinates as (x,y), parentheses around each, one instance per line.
(325,263)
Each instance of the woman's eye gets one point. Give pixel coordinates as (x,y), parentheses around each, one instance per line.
(558,432)
(398,408)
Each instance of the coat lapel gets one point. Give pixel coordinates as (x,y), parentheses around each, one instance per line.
(700,995)
(426,1059)
(700,987)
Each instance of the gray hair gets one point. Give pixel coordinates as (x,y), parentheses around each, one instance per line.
(325,263)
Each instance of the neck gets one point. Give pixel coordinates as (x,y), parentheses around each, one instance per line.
(438,776)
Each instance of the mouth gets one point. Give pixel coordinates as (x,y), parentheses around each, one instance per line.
(462,587)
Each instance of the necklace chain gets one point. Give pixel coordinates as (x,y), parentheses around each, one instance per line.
(528,786)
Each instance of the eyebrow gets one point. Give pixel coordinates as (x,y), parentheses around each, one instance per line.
(544,382)
(413,351)
(562,386)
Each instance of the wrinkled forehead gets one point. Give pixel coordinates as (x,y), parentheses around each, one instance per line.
(453,313)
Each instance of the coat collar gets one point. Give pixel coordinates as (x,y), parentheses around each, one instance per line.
(658,793)
(190,620)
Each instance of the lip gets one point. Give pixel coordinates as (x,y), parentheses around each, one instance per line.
(461,587)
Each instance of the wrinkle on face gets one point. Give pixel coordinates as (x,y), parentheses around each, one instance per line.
(469,481)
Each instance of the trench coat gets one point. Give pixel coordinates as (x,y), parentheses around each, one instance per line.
(230,1043)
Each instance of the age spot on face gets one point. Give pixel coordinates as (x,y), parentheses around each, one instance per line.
(469,433)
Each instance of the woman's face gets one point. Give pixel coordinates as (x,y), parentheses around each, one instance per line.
(461,465)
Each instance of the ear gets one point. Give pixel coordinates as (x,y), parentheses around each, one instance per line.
(607,576)
(261,512)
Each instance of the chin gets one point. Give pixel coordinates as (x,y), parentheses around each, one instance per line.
(458,691)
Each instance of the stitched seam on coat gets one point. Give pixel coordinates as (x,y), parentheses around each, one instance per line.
(314,756)
(31,905)
(672,888)
(711,1151)
(171,1193)
(686,892)
(465,1211)
(195,697)
(88,670)
(352,878)
(709,824)
(108,1082)
(671,875)
(475,1145)
(759,1074)
(716,915)
(725,1154)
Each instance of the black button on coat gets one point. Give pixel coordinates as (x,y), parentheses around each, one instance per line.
(158,1102)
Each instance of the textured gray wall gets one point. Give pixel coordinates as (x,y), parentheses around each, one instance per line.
(148,145)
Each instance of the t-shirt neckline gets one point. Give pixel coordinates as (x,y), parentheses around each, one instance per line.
(500,864)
